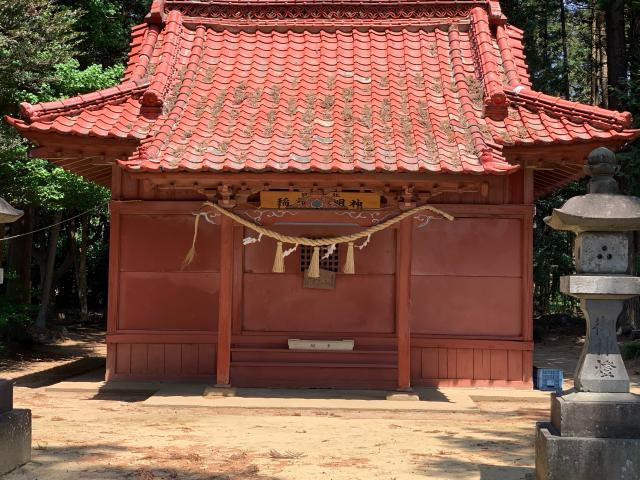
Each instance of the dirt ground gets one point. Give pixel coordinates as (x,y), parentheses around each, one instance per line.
(87,436)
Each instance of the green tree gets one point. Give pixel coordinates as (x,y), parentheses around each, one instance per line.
(107,24)
(38,41)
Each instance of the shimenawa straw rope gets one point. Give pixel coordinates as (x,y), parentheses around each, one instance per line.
(313,272)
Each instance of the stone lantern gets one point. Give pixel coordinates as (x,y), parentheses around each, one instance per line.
(8,214)
(594,431)
(15,424)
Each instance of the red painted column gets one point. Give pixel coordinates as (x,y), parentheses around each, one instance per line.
(403,299)
(225,303)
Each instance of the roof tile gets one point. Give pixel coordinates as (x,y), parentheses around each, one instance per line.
(376,98)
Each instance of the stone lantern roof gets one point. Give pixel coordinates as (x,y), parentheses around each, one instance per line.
(8,214)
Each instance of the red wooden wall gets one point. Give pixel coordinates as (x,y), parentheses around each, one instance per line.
(162,317)
(470,310)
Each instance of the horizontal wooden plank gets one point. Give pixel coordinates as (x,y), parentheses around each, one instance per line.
(487,344)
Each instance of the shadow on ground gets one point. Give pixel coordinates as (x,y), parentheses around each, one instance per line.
(59,373)
(504,457)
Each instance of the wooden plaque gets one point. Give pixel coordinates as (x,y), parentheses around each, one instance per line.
(332,200)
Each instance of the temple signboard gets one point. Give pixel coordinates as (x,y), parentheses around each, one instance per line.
(331,200)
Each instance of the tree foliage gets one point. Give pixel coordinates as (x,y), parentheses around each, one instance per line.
(35,36)
(51,50)
(572,52)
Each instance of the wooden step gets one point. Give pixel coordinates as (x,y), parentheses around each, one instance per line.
(314,374)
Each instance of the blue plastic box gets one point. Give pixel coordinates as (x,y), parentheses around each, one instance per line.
(547,379)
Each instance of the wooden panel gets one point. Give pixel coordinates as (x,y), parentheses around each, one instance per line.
(153,243)
(527,366)
(156,359)
(189,359)
(466,306)
(499,365)
(452,363)
(277,302)
(515,365)
(469,246)
(429,363)
(377,258)
(139,358)
(416,363)
(129,186)
(173,359)
(481,364)
(123,359)
(468,365)
(168,301)
(443,372)
(207,359)
(464,363)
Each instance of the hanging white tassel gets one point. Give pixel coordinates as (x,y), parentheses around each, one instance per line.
(289,251)
(330,250)
(249,240)
(365,243)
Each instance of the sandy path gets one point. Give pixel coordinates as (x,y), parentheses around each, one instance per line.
(77,438)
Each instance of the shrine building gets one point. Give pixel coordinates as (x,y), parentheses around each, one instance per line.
(323,193)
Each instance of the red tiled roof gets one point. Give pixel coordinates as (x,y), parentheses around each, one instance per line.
(328,86)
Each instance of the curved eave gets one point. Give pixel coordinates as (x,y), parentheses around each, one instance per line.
(89,157)
(559,164)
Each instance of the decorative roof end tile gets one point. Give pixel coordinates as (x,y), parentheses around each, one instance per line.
(496,17)
(156,15)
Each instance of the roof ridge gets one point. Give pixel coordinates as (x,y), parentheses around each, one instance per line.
(489,154)
(48,110)
(588,113)
(154,96)
(495,102)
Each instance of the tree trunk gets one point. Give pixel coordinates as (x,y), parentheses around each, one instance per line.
(616,52)
(566,84)
(19,259)
(45,298)
(80,264)
(634,39)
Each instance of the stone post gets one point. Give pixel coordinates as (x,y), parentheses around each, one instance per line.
(15,431)
(594,431)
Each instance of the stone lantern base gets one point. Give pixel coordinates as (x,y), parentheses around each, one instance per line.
(15,431)
(591,436)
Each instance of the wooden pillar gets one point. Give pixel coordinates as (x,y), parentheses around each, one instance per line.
(225,303)
(403,299)
(113,293)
